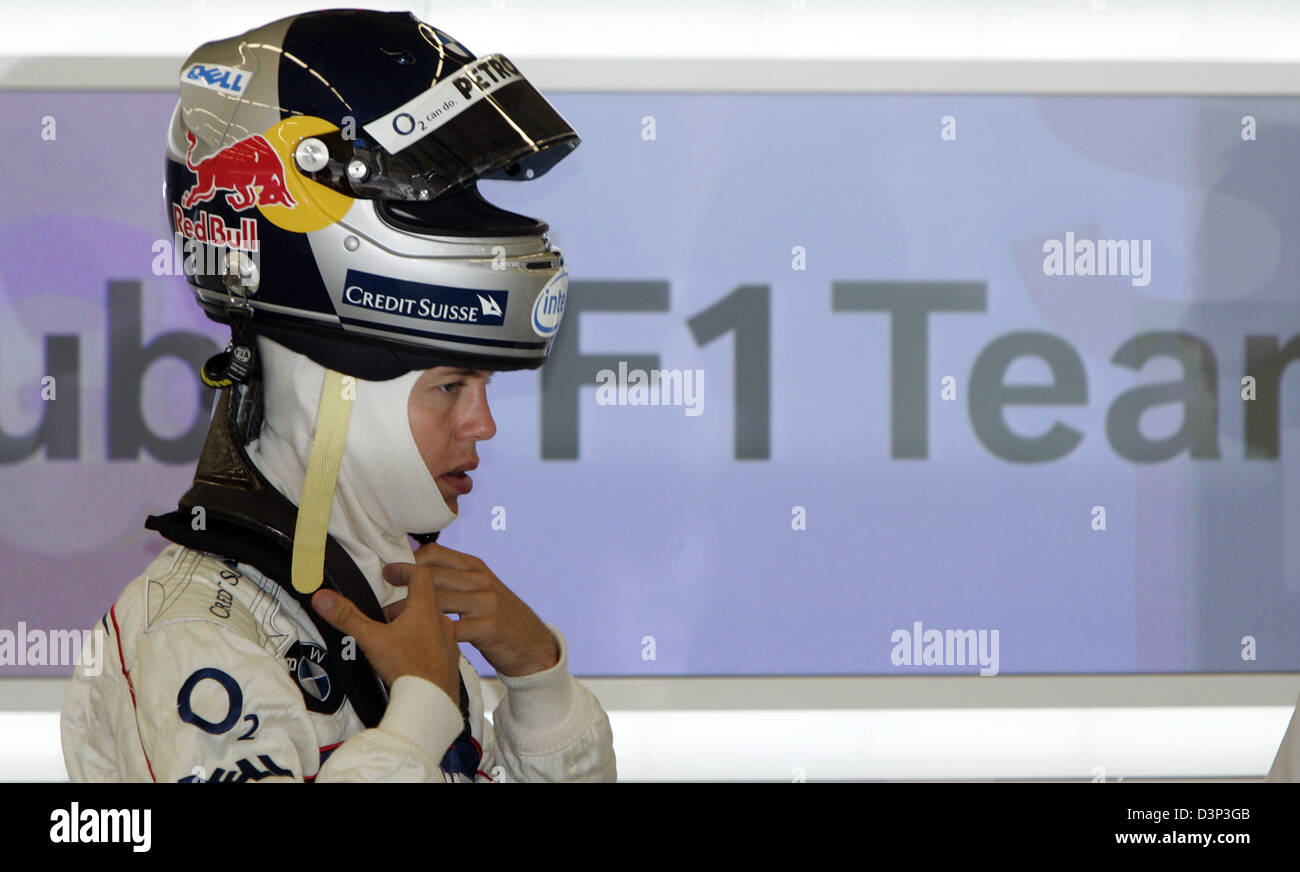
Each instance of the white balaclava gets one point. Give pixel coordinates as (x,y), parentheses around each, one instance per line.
(385,490)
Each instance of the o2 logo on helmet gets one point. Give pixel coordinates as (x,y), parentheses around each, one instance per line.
(227,80)
(548,309)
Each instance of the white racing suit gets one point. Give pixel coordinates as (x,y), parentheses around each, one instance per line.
(211,672)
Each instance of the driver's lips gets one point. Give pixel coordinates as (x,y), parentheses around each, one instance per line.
(460,482)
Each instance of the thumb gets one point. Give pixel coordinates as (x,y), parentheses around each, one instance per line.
(340,613)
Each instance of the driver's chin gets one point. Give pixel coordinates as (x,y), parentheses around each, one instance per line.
(449,497)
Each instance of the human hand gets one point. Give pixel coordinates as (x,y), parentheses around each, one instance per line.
(418,640)
(492,618)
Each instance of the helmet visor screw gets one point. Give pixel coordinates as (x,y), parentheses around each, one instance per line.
(311,155)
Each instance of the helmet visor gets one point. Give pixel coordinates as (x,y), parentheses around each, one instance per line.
(484,121)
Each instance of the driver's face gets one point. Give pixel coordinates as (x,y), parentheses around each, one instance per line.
(448,413)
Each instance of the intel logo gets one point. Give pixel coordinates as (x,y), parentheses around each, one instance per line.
(549,306)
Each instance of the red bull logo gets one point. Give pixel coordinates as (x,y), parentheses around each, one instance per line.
(205,227)
(249,170)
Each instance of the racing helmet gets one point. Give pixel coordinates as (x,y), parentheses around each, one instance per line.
(322,174)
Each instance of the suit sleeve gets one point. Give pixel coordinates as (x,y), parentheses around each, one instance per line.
(549,728)
(215,706)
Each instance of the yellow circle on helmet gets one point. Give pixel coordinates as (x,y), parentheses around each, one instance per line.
(315,206)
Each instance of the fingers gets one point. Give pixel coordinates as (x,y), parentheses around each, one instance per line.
(470,630)
(419,583)
(398,574)
(454,602)
(343,615)
(443,578)
(434,554)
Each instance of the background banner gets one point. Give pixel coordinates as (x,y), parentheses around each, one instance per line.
(846,384)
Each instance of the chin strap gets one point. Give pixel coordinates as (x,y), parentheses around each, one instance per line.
(312,526)
(239,360)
